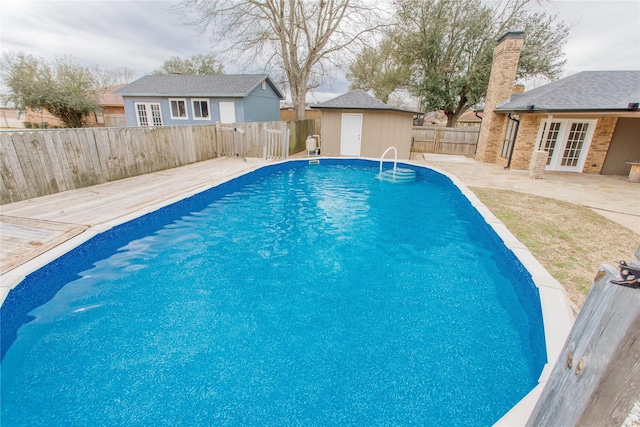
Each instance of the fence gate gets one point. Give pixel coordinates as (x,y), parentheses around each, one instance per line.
(276,143)
(230,142)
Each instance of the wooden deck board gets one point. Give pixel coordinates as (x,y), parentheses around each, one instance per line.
(31,227)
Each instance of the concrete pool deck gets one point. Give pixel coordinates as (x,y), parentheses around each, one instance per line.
(613,197)
(36,231)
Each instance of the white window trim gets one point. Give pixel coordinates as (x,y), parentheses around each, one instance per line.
(148,113)
(193,110)
(186,110)
(565,128)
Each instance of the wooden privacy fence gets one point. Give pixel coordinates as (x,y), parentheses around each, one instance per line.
(441,140)
(37,163)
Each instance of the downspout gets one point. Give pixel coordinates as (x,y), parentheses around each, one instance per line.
(476,114)
(513,144)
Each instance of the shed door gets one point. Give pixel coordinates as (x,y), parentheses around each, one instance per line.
(227,112)
(350,134)
(624,147)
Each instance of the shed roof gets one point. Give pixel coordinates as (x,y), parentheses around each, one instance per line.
(218,85)
(358,100)
(584,91)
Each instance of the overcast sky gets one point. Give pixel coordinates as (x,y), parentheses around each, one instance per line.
(141,34)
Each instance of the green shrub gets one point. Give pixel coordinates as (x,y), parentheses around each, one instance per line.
(27,125)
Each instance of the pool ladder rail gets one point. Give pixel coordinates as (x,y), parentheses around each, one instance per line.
(395,174)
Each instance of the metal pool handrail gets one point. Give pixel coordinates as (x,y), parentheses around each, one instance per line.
(395,158)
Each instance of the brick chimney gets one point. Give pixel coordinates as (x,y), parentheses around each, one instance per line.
(506,55)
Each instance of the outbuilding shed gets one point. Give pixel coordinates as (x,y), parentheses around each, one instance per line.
(357,124)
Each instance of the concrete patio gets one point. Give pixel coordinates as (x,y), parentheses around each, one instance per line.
(613,197)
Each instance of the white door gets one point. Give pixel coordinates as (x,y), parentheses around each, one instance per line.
(350,135)
(567,143)
(227,112)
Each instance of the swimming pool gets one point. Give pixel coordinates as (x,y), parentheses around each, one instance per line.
(317,295)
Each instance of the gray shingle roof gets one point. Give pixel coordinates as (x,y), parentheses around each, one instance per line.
(222,85)
(585,91)
(358,100)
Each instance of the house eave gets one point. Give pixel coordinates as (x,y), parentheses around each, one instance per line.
(186,95)
(396,110)
(607,111)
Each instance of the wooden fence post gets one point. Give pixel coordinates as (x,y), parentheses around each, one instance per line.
(596,380)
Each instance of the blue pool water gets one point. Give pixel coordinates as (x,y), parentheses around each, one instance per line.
(298,294)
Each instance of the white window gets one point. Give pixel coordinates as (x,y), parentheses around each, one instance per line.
(201,109)
(567,141)
(178,109)
(148,114)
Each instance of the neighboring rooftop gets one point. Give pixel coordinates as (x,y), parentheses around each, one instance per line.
(358,100)
(107,97)
(219,85)
(470,117)
(584,91)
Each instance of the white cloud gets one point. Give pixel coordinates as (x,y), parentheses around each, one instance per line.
(142,34)
(605,34)
(135,34)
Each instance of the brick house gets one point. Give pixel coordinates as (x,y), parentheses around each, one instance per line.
(588,122)
(111,112)
(112,109)
(469,118)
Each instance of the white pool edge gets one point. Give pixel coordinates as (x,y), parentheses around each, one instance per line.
(556,311)
(557,315)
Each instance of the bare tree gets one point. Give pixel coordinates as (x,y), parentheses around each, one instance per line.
(299,36)
(194,64)
(107,77)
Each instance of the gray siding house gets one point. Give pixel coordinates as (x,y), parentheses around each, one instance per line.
(201,99)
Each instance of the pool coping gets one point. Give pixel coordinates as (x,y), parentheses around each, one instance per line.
(556,311)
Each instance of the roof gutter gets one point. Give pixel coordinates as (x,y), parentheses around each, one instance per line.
(564,110)
(188,95)
(397,110)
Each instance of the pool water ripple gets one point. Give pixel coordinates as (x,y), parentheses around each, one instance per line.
(311,296)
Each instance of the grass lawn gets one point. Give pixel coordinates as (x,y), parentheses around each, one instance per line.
(569,240)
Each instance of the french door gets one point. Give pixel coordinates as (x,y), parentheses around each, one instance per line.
(567,141)
(148,114)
